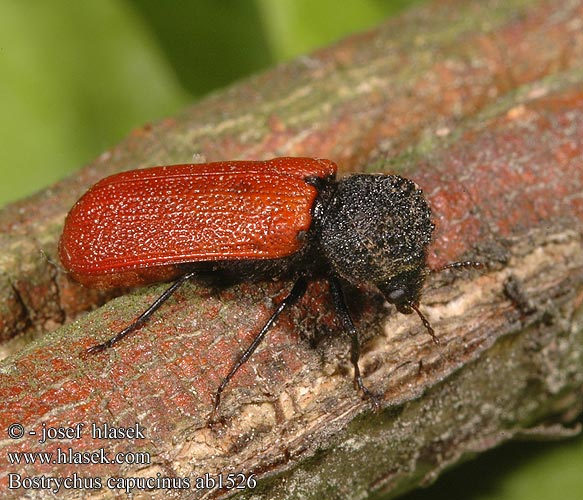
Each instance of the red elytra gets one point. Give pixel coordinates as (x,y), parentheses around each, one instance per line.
(136,227)
(254,219)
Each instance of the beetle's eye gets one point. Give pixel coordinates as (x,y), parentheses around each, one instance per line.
(396,296)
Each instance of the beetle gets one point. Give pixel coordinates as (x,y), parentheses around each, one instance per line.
(252,219)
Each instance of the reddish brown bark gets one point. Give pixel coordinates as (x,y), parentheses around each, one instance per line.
(482,105)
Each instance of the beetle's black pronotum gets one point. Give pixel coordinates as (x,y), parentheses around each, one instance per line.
(282,217)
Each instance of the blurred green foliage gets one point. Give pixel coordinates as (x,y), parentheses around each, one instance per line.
(515,471)
(76,77)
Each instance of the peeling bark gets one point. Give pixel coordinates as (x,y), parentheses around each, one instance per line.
(481,103)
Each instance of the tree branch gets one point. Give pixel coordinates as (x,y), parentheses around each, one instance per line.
(482,105)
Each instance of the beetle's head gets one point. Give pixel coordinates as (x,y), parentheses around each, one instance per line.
(376,229)
(404,291)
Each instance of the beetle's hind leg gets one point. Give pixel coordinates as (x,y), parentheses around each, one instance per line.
(142,318)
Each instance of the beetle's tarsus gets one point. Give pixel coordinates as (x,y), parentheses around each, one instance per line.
(97,348)
(296,293)
(142,318)
(373,399)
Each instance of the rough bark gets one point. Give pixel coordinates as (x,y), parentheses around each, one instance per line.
(481,103)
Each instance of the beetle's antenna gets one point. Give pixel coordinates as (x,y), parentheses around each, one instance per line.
(460,265)
(452,265)
(426,323)
(142,318)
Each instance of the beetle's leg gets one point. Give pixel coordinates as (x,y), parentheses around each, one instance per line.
(342,309)
(295,294)
(142,318)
